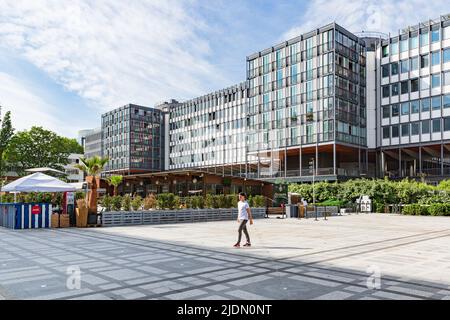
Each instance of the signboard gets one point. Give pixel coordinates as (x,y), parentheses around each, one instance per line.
(70,197)
(366,204)
(36,209)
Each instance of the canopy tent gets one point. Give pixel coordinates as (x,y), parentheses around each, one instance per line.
(38,182)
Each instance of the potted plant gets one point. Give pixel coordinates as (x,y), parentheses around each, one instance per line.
(82,213)
(92,167)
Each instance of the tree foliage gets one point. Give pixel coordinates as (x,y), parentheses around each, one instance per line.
(37,148)
(6,133)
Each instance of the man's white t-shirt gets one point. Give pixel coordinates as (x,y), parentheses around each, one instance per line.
(242,210)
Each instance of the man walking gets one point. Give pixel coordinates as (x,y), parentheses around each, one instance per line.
(244,215)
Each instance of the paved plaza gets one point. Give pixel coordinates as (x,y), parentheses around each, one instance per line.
(403,257)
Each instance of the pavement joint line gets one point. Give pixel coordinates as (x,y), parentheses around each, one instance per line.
(111,238)
(269,270)
(108,236)
(283,260)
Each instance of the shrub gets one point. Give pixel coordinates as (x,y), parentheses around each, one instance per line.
(176,202)
(221,201)
(150,202)
(116,203)
(166,201)
(209,201)
(231,200)
(106,202)
(332,202)
(126,203)
(439,209)
(259,201)
(250,201)
(136,204)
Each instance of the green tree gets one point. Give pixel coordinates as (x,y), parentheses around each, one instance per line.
(38,147)
(92,167)
(6,133)
(115,181)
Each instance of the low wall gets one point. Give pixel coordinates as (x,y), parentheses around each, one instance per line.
(126,218)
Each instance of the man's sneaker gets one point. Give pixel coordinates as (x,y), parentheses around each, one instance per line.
(237,245)
(247,244)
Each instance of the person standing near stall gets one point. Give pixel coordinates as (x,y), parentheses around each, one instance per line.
(244,215)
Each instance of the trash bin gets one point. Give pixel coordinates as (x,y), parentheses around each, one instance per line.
(294,211)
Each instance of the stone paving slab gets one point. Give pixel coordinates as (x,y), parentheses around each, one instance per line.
(290,259)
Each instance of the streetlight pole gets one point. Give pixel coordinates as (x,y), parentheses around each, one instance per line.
(313,166)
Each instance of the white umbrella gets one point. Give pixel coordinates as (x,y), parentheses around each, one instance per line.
(38,182)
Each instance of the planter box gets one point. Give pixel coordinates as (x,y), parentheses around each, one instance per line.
(122,218)
(82,217)
(64,221)
(54,220)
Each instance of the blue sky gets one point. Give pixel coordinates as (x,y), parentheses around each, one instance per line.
(64,63)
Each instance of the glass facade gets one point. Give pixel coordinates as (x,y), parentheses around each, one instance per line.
(133,139)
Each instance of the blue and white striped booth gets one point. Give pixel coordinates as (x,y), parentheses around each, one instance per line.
(21,216)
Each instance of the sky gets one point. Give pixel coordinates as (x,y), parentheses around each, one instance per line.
(64,63)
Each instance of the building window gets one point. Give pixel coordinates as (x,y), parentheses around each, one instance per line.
(415,106)
(446,78)
(395,131)
(405,108)
(386,112)
(436,125)
(394,89)
(394,68)
(424,39)
(385,50)
(446,33)
(404,88)
(405,130)
(414,85)
(425,126)
(435,80)
(394,48)
(435,58)
(414,63)
(404,66)
(446,55)
(413,42)
(386,132)
(385,70)
(425,104)
(404,45)
(424,61)
(447,124)
(395,110)
(425,83)
(446,101)
(385,91)
(414,128)
(436,103)
(435,34)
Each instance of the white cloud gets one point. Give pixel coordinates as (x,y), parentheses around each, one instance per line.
(386,16)
(28,109)
(113,52)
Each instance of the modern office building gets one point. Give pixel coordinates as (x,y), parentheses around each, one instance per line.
(73,174)
(209,132)
(329,103)
(414,104)
(91,141)
(132,139)
(307,107)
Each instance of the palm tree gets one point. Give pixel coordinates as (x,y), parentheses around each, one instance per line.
(92,167)
(115,181)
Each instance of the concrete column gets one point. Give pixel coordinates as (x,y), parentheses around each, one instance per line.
(420,160)
(400,162)
(334,159)
(382,164)
(300,162)
(442,159)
